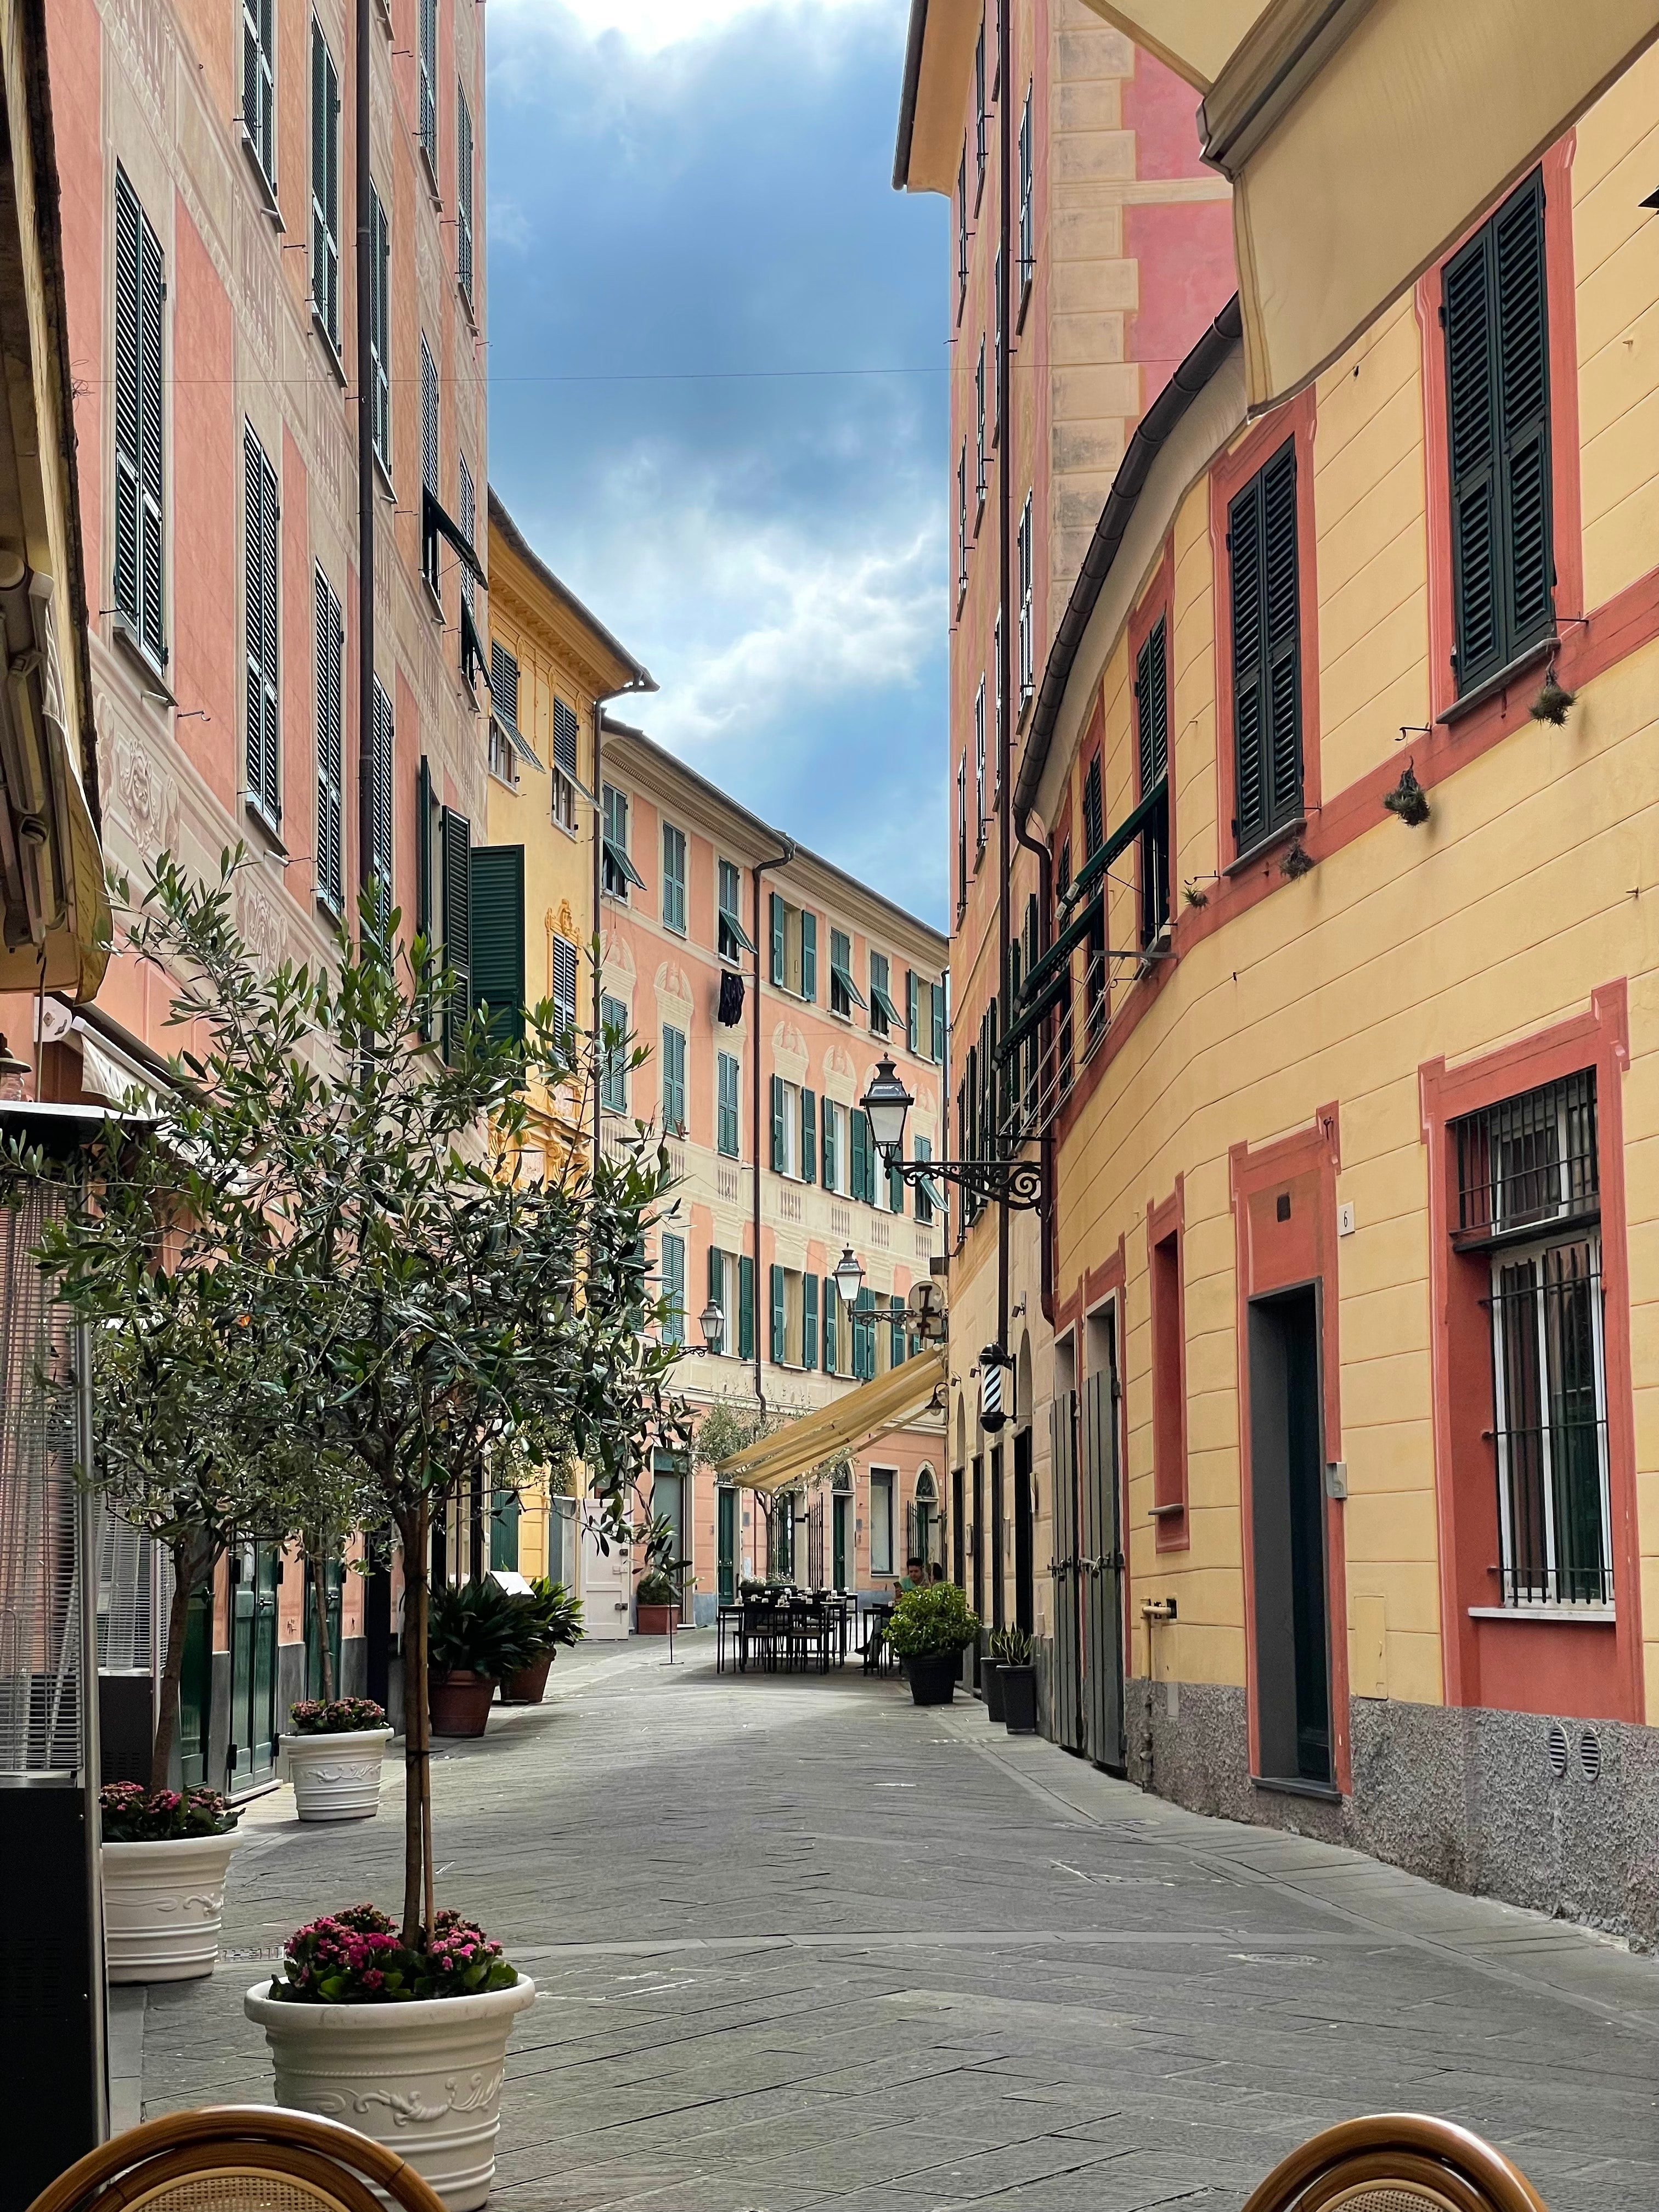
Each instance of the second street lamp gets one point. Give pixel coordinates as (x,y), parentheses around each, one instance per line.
(848,1276)
(1016,1183)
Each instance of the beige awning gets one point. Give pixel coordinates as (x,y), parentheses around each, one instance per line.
(66,872)
(846,1424)
(1362,137)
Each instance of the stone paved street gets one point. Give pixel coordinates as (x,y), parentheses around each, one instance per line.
(800,1944)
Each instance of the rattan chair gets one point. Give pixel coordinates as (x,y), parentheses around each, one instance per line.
(1396,2162)
(238,2158)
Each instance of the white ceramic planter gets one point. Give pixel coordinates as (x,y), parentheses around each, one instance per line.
(336,1778)
(425,2079)
(162,1906)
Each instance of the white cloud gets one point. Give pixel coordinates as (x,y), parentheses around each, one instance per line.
(651,25)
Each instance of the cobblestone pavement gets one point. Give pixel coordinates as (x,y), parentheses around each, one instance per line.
(800,1944)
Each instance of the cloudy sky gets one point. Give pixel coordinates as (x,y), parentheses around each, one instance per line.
(718,397)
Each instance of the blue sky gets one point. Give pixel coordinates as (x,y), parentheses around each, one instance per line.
(685,199)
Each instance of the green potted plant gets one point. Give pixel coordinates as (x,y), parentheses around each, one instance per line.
(331,1754)
(552,1617)
(930,1629)
(1016,1680)
(656,1594)
(477,1636)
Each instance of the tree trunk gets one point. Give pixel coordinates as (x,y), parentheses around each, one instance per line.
(172,1666)
(319,1600)
(413,1532)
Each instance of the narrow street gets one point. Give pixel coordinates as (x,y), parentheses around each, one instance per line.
(798,1943)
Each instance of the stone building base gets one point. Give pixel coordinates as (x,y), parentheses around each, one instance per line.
(1558,1815)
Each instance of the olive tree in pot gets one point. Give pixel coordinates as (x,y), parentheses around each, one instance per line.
(930,1629)
(1016,1680)
(553,1617)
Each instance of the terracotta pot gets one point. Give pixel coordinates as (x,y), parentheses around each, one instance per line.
(459,1702)
(529,1684)
(656,1619)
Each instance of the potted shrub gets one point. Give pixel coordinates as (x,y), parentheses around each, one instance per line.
(407,2043)
(930,1629)
(1016,1680)
(477,1636)
(332,1757)
(990,1685)
(656,1594)
(554,1617)
(165,1856)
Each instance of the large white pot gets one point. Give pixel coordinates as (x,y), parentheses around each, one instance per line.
(162,1906)
(424,2078)
(336,1778)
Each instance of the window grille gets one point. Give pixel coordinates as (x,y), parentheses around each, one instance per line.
(1528,1161)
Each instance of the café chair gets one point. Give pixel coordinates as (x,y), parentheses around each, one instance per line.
(240,2158)
(1396,2162)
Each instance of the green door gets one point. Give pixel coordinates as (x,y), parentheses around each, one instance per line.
(252,1663)
(196,1690)
(334,1599)
(728,1546)
(839,1506)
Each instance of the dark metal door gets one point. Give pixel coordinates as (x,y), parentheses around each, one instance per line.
(726,1546)
(253,1663)
(1102,1570)
(840,1512)
(1065,1696)
(1025,1562)
(334,1600)
(196,1690)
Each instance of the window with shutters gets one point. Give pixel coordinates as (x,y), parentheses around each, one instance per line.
(1027,617)
(982,456)
(728,1122)
(1152,745)
(674,1081)
(673,1288)
(380,805)
(260,561)
(962,234)
(430,541)
(617,870)
(325,188)
(861,1157)
(787,1133)
(832,1149)
(793,947)
(885,1017)
(979,770)
(928,1200)
(455,846)
(613,1066)
(996,347)
(427,131)
(1169,1376)
(469,522)
(465,165)
(503,714)
(1027,212)
(778,1305)
(379,327)
(140,526)
(844,993)
(996,695)
(673,878)
(330,651)
(882,1483)
(567,962)
(1496,311)
(981,117)
(961,524)
(809,1320)
(565,731)
(962,836)
(832,1331)
(259,87)
(1266,660)
(745,1306)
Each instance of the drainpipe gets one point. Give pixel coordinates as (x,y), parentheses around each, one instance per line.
(1045,1141)
(1005,523)
(365,276)
(776,861)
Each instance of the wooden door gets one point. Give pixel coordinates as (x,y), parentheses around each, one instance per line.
(1102,1575)
(1066,1688)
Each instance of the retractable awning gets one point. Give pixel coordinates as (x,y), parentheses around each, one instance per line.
(847,1425)
(1362,136)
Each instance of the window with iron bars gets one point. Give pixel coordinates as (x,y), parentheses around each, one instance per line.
(1027,222)
(1528,1167)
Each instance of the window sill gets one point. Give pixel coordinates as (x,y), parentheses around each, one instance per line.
(383,476)
(268,828)
(431,168)
(330,346)
(1499,680)
(435,605)
(328,904)
(124,634)
(267,190)
(1326,1790)
(507,783)
(1025,283)
(1263,846)
(1579,1616)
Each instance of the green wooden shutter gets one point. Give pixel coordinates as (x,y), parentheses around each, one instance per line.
(423,801)
(780,1318)
(831,1165)
(896,1332)
(1249,666)
(779,1141)
(1153,733)
(778,949)
(809,1320)
(863,1182)
(674,1081)
(911,1009)
(831,1317)
(717,1280)
(939,1021)
(809,956)
(1472,378)
(380,805)
(809,1127)
(325,187)
(1284,626)
(455,842)
(330,647)
(746,1307)
(260,561)
(498,945)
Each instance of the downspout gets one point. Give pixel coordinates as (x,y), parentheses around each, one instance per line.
(365,273)
(1046,1137)
(777,860)
(1004,653)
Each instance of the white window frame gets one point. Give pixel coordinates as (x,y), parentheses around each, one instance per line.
(884,1482)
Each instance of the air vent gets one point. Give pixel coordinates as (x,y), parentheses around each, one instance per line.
(1589,1755)
(1559,1751)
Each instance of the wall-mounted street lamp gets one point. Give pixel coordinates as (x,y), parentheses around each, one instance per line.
(1016,1183)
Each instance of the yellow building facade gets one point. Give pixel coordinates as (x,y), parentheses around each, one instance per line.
(1346,1054)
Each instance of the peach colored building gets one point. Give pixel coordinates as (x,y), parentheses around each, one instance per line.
(766,984)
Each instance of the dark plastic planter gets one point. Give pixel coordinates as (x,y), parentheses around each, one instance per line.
(1017,1689)
(932,1676)
(529,1684)
(459,1702)
(990,1682)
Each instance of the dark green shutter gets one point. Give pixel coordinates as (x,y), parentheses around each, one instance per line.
(831,1165)
(498,950)
(896,1332)
(746,1307)
(863,1182)
(779,955)
(779,1141)
(911,1010)
(456,841)
(831,1313)
(809,956)
(780,1318)
(1267,673)
(424,850)
(1153,733)
(809,1127)
(809,1320)
(717,1288)
(939,1021)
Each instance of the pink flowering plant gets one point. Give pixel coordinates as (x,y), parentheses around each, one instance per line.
(335,1715)
(358,1957)
(133,1815)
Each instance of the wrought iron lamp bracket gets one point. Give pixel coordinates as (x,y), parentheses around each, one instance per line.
(1015,1184)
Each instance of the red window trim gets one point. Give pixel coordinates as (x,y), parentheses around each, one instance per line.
(1158,605)
(1166,1225)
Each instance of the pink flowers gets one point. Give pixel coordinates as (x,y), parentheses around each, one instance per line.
(335,1715)
(133,1815)
(358,1956)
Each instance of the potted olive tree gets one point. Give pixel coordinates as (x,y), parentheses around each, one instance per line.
(930,1629)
